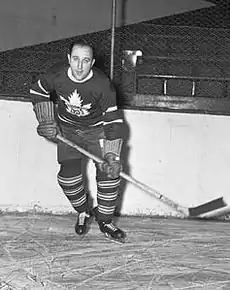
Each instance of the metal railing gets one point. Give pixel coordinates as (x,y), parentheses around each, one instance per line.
(194,80)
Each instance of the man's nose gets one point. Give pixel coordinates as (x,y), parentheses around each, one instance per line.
(80,64)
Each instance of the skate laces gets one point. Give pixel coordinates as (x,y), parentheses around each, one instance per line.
(81,218)
(111,226)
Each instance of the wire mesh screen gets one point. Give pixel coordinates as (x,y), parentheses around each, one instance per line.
(193,45)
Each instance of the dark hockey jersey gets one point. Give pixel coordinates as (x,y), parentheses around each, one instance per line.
(83,105)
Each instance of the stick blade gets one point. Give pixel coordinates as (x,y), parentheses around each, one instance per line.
(211,209)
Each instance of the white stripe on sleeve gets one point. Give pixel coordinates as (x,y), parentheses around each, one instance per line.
(39,94)
(114,121)
(42,88)
(111,109)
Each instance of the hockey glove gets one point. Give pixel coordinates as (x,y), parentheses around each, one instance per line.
(111,154)
(47,127)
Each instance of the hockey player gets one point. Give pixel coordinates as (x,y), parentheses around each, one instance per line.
(85,113)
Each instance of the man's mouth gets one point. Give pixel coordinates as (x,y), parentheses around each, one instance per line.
(79,72)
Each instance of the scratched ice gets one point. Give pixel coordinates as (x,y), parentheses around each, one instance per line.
(41,251)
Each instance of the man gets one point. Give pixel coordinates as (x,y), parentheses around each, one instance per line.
(86,113)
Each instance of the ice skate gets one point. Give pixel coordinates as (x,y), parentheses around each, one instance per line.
(81,226)
(112,232)
(93,212)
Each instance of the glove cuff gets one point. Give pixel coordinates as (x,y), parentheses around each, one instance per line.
(44,112)
(112,146)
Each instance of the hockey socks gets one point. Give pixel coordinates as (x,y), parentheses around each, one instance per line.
(74,190)
(107,192)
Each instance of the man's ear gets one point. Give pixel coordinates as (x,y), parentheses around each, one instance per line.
(68,56)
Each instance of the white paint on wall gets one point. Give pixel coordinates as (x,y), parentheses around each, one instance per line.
(29,22)
(185,156)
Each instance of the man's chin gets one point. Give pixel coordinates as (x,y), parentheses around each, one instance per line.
(79,77)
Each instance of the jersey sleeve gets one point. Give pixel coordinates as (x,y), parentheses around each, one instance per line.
(40,91)
(113,119)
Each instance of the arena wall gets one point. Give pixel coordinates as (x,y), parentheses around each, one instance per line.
(185,156)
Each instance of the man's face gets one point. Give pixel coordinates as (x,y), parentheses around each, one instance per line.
(81,61)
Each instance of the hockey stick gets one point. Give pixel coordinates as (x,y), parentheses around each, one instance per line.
(210,209)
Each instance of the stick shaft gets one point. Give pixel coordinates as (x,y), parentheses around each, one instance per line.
(113,25)
(156,194)
(150,191)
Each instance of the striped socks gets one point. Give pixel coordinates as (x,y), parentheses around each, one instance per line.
(74,190)
(107,192)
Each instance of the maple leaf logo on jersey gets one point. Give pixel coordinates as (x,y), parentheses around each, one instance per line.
(74,105)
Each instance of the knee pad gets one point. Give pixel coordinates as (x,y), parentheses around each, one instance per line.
(100,175)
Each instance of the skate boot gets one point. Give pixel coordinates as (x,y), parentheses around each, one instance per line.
(112,232)
(82,222)
(94,213)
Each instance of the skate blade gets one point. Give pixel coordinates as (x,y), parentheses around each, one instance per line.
(118,241)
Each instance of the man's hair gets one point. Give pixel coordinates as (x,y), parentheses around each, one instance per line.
(80,42)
